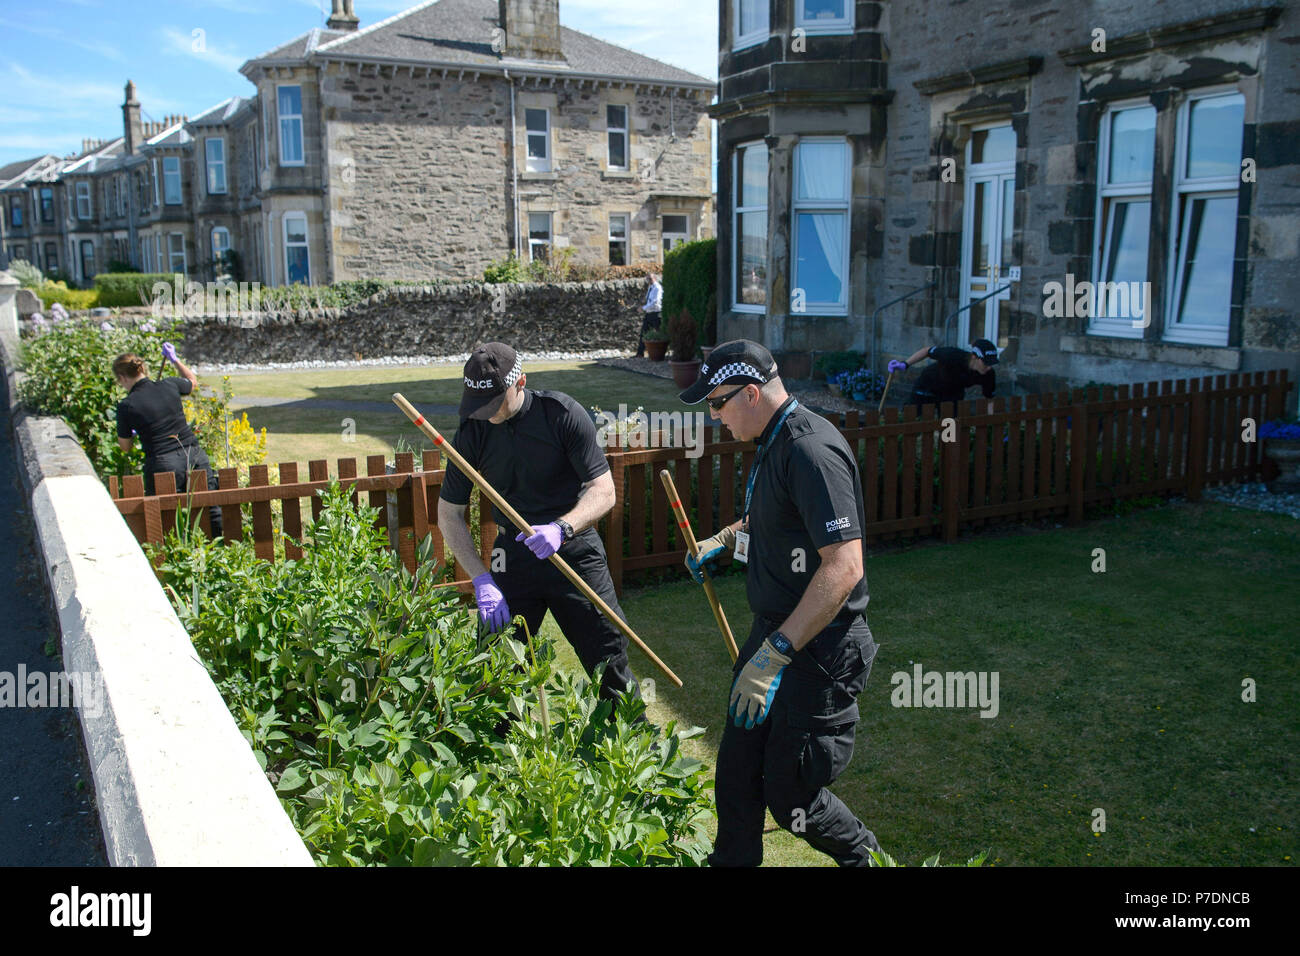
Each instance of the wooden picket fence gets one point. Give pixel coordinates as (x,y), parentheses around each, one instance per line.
(964,466)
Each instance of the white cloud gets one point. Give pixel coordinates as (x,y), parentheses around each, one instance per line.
(200,46)
(58,36)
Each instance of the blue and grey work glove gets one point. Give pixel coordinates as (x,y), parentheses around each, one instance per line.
(710,550)
(752,693)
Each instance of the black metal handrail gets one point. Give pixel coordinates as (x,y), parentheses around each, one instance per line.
(948,320)
(871,331)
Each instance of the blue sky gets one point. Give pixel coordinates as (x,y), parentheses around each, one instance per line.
(67,61)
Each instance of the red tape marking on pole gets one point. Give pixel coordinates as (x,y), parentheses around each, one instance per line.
(420,420)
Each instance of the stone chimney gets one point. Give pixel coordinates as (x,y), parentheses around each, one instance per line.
(532,29)
(343,18)
(132,131)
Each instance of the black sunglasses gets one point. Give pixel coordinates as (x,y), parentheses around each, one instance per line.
(717,403)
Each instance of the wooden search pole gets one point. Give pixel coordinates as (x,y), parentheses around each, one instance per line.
(675,500)
(885,394)
(472,474)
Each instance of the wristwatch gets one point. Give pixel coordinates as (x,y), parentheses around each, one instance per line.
(566,529)
(781,643)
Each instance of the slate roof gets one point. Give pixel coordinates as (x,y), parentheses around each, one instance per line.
(459,33)
(219,114)
(15,170)
(296,50)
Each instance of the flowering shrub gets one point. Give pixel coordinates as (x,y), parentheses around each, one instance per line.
(1280,429)
(861,382)
(396,734)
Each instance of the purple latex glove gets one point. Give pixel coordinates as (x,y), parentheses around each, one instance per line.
(544,541)
(169,352)
(492,608)
(897,366)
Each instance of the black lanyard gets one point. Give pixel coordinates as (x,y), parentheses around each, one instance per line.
(753,471)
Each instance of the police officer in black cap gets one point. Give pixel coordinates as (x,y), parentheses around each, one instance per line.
(538,449)
(793,706)
(953,371)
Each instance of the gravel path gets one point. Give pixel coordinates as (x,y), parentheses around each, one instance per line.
(1257,497)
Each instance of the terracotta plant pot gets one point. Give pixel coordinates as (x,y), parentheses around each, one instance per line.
(705,350)
(685,373)
(655,351)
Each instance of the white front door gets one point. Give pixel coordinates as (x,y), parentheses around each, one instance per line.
(988,219)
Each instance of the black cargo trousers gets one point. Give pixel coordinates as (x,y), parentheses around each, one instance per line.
(180,460)
(532,587)
(786,763)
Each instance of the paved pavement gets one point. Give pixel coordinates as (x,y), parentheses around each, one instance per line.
(45,820)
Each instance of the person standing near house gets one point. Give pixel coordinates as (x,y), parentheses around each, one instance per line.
(538,449)
(653,306)
(954,370)
(153,411)
(793,705)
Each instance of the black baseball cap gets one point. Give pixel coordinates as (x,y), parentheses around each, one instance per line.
(491,369)
(739,361)
(985,351)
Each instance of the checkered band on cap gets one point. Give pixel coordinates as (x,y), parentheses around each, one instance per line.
(736,368)
(515,372)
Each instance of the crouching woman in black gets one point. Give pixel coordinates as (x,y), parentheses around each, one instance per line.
(153,411)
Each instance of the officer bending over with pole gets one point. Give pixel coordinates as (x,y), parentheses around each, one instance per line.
(793,705)
(538,449)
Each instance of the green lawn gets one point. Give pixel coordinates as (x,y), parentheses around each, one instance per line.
(1119,690)
(304,431)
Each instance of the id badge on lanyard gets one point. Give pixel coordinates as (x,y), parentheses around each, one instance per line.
(741,552)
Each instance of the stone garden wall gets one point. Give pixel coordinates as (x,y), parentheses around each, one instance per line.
(437,320)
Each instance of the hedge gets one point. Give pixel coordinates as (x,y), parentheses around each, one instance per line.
(71,299)
(691,283)
(130,288)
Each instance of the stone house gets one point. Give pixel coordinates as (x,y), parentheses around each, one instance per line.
(427,145)
(444,138)
(1105,190)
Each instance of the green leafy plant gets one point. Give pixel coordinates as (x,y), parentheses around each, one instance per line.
(884,859)
(691,283)
(69,373)
(682,333)
(396,733)
(509,269)
(76,299)
(124,288)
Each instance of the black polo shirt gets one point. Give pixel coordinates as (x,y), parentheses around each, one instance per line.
(807,494)
(948,377)
(538,460)
(153,411)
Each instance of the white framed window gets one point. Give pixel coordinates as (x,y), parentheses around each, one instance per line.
(297,261)
(1126,146)
(824,16)
(220,246)
(750,17)
(1203,221)
(618,239)
(172,180)
(123,184)
(539,236)
(675,230)
(616,136)
(289,106)
(215,155)
(537,126)
(820,231)
(749,227)
(146,254)
(176,253)
(156,201)
(158,251)
(83,200)
(51,257)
